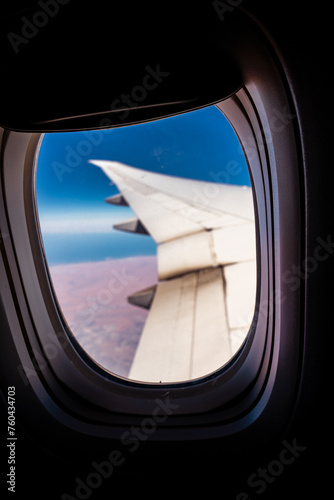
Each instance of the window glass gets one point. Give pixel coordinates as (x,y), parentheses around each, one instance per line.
(149,235)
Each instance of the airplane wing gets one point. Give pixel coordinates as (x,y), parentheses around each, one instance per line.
(201,309)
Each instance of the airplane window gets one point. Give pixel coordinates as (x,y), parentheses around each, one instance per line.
(149,235)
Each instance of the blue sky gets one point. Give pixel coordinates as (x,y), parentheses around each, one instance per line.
(70,191)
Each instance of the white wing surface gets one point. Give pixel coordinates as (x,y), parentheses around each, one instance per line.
(201,310)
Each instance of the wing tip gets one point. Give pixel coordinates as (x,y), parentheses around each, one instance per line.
(101,163)
(107,163)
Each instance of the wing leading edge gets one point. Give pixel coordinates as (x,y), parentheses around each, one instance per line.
(202,307)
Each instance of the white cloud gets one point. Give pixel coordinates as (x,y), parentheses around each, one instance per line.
(88,223)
